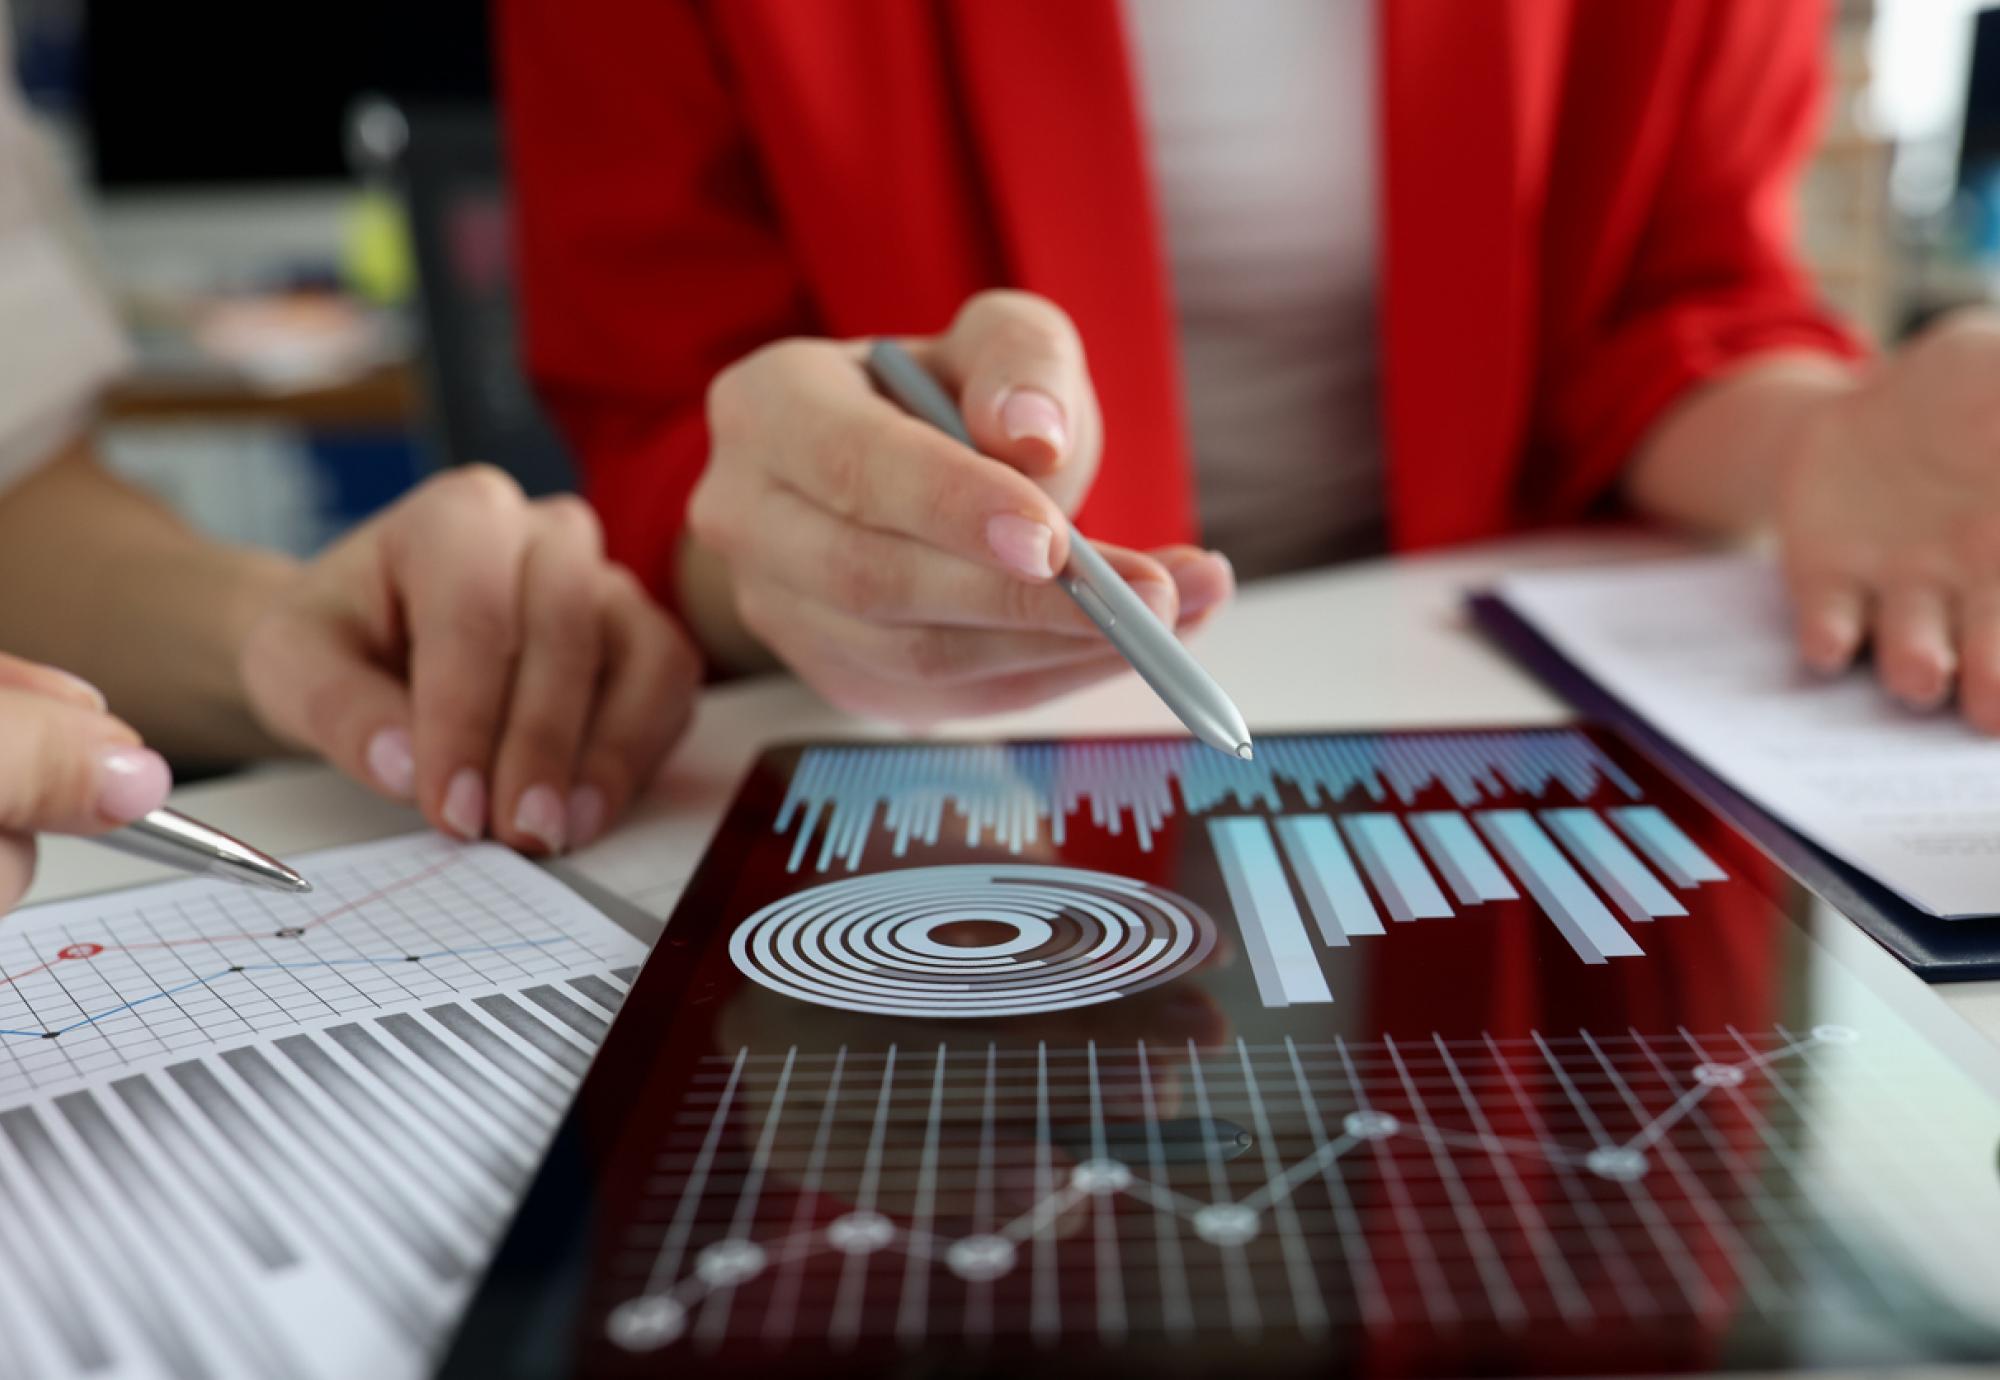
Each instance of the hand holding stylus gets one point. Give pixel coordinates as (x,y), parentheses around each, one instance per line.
(901,573)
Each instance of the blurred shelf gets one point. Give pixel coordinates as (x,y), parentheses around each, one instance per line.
(381,399)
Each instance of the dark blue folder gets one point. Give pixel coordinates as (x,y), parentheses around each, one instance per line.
(1938,950)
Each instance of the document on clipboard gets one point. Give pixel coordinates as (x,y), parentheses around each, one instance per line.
(1701,648)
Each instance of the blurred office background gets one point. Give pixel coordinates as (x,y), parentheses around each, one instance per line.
(301,209)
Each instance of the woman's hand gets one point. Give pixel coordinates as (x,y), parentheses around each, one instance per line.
(474,651)
(899,573)
(66,767)
(1890,519)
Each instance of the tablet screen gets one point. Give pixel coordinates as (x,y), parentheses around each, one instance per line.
(1411,1053)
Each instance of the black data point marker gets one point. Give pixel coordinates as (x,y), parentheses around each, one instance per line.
(293,933)
(237,969)
(50,1034)
(412,958)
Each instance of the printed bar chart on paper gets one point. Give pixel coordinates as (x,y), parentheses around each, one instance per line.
(253,1135)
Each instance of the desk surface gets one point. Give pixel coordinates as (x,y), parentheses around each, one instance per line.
(1378,644)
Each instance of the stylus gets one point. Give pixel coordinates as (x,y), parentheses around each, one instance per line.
(1106,600)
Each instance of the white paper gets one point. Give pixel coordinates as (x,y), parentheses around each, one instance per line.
(276,1136)
(1703,650)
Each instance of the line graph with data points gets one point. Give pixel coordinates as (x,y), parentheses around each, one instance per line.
(1575,1179)
(87,987)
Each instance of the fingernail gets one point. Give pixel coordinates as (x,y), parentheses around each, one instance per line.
(540,815)
(131,781)
(465,804)
(586,815)
(392,763)
(1030,414)
(1022,545)
(89,691)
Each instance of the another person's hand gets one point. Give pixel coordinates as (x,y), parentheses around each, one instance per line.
(474,651)
(1890,520)
(899,573)
(66,767)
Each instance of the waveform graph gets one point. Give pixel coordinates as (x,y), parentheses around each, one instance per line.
(1505,1189)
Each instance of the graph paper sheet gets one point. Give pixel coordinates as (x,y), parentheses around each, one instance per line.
(254,1135)
(1470,1052)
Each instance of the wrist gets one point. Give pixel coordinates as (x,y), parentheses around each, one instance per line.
(1725,459)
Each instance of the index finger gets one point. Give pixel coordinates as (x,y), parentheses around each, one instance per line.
(854,453)
(455,560)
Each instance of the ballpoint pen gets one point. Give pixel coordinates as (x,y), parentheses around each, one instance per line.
(1106,600)
(170,837)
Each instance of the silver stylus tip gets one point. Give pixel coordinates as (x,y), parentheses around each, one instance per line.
(1243,751)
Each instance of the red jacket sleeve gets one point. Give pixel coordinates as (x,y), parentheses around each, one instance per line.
(648,256)
(1712,278)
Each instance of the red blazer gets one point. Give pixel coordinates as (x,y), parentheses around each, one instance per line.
(1586,213)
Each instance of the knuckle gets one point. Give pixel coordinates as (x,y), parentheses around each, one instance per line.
(486,488)
(859,583)
(573,520)
(1022,605)
(729,403)
(621,586)
(323,713)
(1012,318)
(925,655)
(59,777)
(842,460)
(543,738)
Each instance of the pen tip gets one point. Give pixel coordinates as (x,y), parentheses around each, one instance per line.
(1243,751)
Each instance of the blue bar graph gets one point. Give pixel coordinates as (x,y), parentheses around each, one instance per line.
(1321,841)
(1672,851)
(1339,902)
(1281,953)
(1460,858)
(1612,865)
(1592,930)
(1392,863)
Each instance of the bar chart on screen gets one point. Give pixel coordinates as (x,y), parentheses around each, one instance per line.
(1323,842)
(251,1135)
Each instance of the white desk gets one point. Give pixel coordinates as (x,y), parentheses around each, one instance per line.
(1377,645)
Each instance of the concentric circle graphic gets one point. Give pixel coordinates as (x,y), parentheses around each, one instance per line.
(1065,938)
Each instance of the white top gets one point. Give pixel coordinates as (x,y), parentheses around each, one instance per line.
(59,340)
(1260,119)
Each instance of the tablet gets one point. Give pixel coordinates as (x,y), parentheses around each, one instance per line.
(1418,1053)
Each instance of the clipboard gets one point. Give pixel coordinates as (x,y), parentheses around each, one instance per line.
(1936,950)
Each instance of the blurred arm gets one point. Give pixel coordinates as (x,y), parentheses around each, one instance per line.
(1718,345)
(104,581)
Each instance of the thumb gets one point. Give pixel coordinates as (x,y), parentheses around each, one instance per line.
(68,769)
(1023,385)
